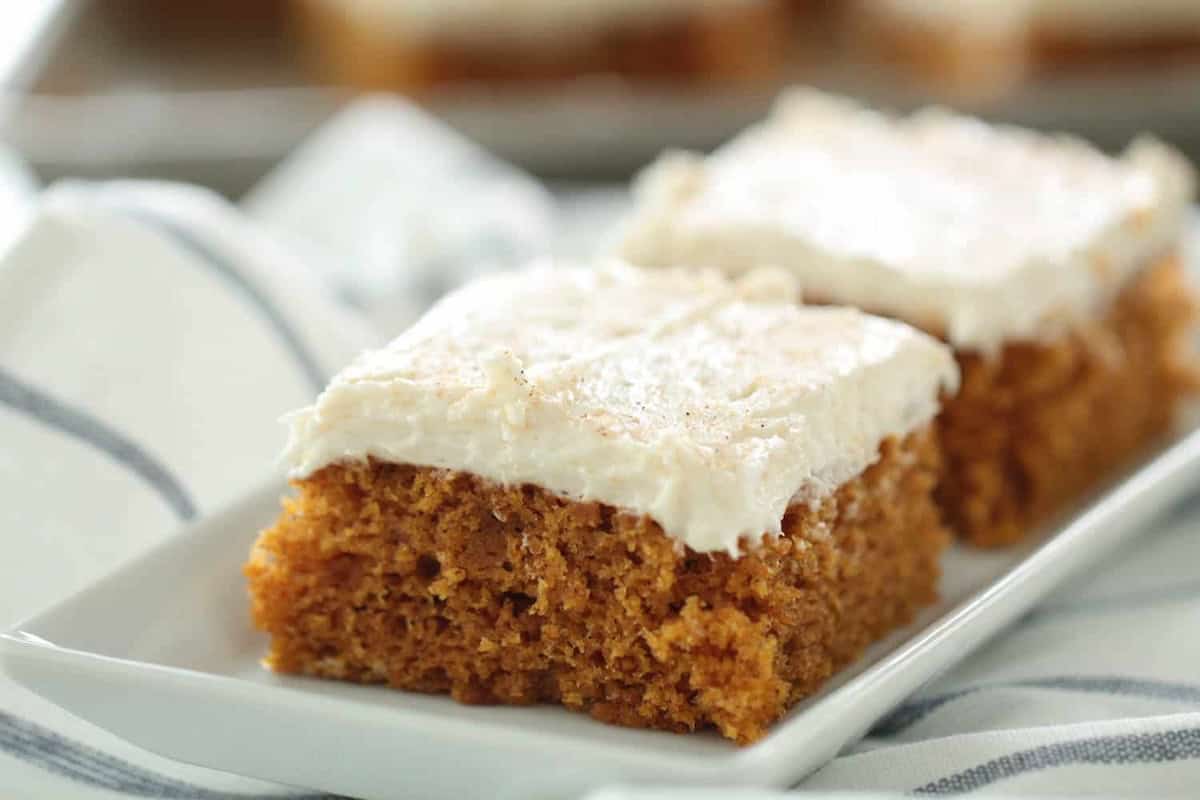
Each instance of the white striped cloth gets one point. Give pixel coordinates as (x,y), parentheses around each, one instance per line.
(149,339)
(149,331)
(393,208)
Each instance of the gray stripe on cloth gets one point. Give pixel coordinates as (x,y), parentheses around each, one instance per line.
(912,712)
(70,759)
(228,271)
(1138,748)
(77,423)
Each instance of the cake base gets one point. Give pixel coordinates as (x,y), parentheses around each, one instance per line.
(437,581)
(1034,428)
(738,44)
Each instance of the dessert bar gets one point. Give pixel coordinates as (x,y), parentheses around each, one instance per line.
(1051,268)
(660,497)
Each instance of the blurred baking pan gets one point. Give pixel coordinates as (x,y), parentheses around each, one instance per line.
(110,97)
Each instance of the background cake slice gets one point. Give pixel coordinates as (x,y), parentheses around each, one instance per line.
(1051,268)
(985,46)
(661,497)
(415,45)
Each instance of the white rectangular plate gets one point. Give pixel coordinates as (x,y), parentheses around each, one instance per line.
(162,653)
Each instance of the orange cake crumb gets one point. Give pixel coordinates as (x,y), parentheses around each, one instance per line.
(1035,427)
(438,581)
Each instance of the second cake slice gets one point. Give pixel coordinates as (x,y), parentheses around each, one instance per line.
(1051,268)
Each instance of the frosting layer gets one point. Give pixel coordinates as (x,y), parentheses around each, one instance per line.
(985,234)
(707,405)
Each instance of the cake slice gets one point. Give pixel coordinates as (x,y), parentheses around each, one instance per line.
(1052,269)
(417,45)
(663,498)
(986,46)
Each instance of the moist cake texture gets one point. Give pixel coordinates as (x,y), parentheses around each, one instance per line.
(1038,426)
(1021,250)
(667,499)
(434,581)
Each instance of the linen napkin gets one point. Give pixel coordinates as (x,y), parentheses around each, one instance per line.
(394,208)
(149,339)
(17,188)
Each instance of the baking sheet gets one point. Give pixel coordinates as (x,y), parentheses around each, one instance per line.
(112,98)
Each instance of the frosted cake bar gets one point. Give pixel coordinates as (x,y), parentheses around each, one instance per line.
(1051,268)
(660,497)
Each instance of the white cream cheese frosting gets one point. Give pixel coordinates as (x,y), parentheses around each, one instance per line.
(708,405)
(987,234)
(1083,19)
(483,20)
